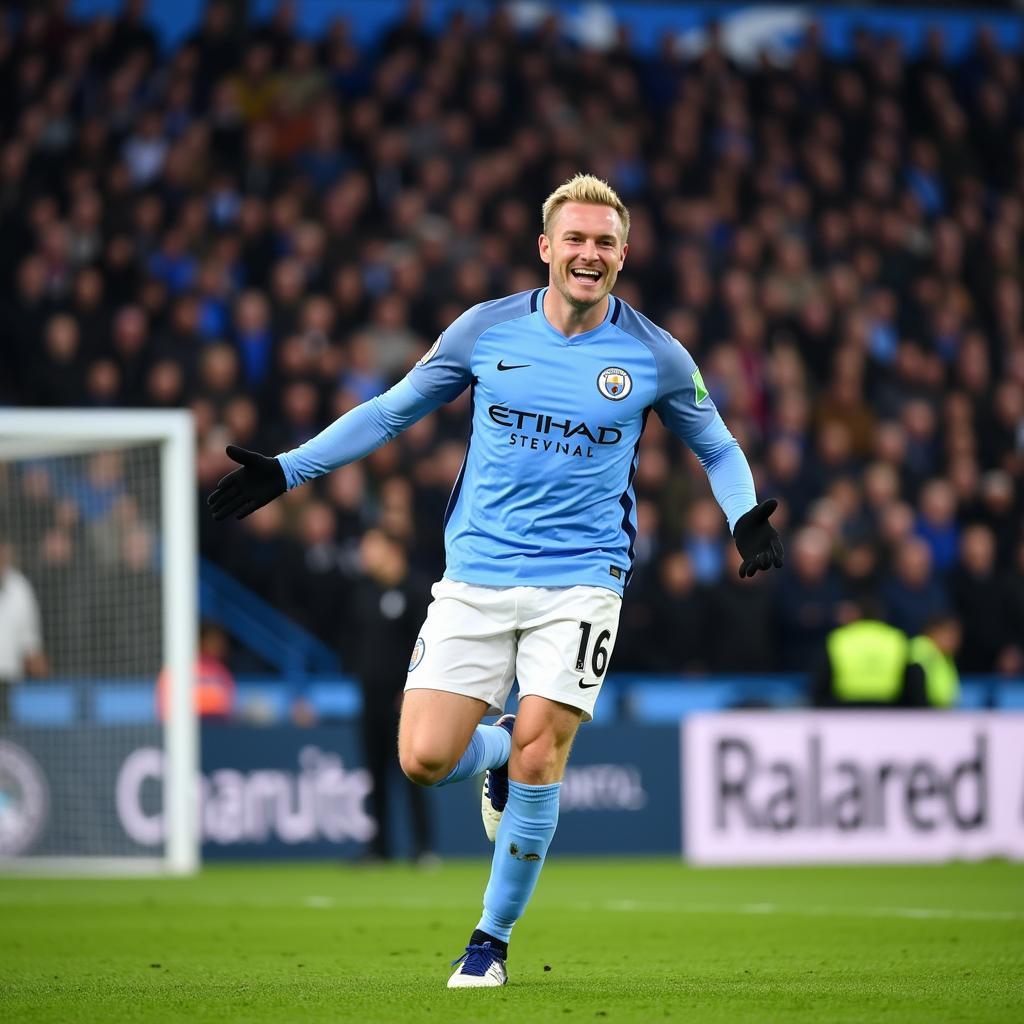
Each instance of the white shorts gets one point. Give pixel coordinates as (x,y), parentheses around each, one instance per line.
(555,641)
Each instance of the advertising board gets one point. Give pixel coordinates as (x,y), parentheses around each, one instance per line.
(283,792)
(852,786)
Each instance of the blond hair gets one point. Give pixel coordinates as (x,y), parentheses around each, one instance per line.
(585,188)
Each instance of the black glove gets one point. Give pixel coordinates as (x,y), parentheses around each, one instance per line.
(261,479)
(756,539)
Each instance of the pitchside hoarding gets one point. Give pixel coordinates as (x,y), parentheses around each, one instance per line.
(286,792)
(757,787)
(852,787)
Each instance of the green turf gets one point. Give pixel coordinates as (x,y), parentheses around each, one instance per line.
(634,940)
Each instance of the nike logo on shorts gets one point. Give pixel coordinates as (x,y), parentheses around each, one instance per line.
(587,686)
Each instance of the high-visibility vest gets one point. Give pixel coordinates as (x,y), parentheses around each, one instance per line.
(214,693)
(868,662)
(941,679)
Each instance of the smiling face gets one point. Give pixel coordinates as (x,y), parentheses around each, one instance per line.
(584,251)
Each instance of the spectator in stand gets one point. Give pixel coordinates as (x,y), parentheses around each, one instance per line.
(860,570)
(256,557)
(672,642)
(58,374)
(1011,658)
(320,584)
(978,592)
(215,692)
(21,639)
(850,281)
(808,601)
(704,541)
(1000,510)
(913,595)
(254,339)
(936,524)
(733,608)
(388,606)
(57,565)
(125,621)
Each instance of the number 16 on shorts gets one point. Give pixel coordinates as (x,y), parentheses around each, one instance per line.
(565,643)
(589,638)
(598,660)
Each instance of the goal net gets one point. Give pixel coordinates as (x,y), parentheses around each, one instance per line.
(98,735)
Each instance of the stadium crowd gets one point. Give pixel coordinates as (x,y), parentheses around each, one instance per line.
(270,229)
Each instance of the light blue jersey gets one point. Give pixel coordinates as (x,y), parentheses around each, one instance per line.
(545,495)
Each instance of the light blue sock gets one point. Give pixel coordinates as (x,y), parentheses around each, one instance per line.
(489,748)
(524,836)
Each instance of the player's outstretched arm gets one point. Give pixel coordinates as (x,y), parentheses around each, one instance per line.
(686,408)
(259,480)
(361,430)
(757,540)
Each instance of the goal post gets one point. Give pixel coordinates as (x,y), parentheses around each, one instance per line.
(122,609)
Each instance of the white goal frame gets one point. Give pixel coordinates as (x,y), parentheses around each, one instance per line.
(39,432)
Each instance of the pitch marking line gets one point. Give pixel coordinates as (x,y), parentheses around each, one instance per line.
(321,902)
(348,900)
(911,913)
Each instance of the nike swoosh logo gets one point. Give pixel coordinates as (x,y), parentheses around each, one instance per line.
(518,366)
(587,686)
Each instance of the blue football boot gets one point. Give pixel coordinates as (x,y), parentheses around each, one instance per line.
(481,966)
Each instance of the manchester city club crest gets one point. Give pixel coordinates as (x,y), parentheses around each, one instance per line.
(417,653)
(24,800)
(614,383)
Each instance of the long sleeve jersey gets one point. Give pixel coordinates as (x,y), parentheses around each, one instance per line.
(545,496)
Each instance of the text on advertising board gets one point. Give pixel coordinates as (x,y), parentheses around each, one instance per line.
(849,786)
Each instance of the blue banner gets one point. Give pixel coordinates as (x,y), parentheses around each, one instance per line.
(287,792)
(284,792)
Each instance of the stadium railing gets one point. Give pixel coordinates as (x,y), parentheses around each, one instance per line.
(260,627)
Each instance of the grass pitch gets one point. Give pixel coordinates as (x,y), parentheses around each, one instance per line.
(637,941)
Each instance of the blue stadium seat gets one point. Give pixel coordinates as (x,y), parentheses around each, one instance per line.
(335,698)
(974,693)
(658,702)
(127,703)
(1011,695)
(667,699)
(42,704)
(263,701)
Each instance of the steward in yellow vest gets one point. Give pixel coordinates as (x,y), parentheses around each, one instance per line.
(933,650)
(868,664)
